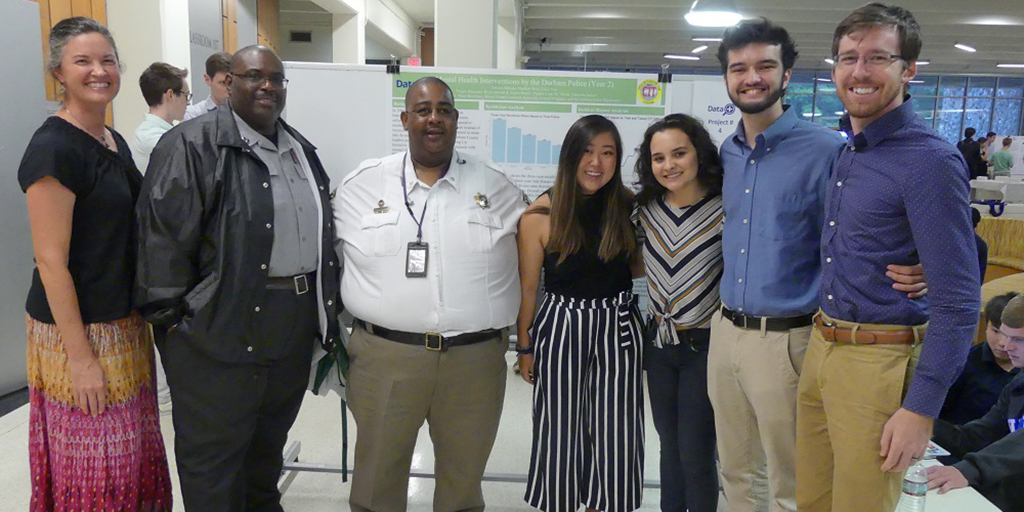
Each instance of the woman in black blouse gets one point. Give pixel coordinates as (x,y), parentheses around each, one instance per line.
(94,440)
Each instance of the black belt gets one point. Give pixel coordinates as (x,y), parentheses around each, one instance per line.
(300,283)
(430,340)
(772,323)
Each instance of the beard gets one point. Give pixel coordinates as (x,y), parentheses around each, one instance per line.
(867,110)
(760,106)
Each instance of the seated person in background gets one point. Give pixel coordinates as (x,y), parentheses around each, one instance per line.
(992,447)
(987,371)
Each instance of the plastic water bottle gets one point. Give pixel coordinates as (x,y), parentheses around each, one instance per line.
(915,489)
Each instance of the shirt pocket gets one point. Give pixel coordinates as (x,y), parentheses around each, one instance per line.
(380,231)
(484,229)
(794,218)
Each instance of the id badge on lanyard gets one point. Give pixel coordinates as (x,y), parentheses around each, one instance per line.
(1015,424)
(416,259)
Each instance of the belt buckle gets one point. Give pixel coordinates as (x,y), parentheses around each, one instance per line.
(439,347)
(301,284)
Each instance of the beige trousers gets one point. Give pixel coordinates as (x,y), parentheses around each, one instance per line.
(393,388)
(847,394)
(752,382)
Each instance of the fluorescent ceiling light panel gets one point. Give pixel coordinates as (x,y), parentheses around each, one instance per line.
(707,39)
(699,48)
(680,57)
(1010,65)
(965,47)
(713,13)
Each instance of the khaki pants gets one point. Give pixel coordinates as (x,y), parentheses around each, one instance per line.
(393,388)
(847,394)
(752,383)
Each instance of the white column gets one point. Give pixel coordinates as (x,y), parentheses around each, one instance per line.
(349,38)
(466,33)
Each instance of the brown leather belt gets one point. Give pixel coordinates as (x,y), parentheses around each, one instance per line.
(832,332)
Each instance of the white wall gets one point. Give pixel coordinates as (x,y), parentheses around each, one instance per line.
(147,32)
(246,17)
(464,33)
(320,50)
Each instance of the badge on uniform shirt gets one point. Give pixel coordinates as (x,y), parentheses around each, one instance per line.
(380,207)
(482,201)
(416,260)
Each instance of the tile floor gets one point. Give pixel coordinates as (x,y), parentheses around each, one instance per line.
(319,433)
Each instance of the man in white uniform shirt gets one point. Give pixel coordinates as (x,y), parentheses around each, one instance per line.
(431,276)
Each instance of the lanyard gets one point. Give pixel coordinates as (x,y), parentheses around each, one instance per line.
(408,205)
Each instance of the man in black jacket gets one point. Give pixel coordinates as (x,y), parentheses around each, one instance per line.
(971,149)
(237,274)
(992,447)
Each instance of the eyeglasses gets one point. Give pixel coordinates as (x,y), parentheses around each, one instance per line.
(442,111)
(257,79)
(874,60)
(188,96)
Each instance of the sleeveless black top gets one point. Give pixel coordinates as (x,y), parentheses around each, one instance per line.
(583,275)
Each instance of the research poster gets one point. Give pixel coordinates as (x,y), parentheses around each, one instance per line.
(711,104)
(519,121)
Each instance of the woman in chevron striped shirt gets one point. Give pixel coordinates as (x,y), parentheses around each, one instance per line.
(679,210)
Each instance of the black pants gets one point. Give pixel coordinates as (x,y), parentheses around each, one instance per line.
(231,420)
(677,379)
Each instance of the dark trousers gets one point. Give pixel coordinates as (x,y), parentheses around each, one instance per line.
(231,420)
(677,382)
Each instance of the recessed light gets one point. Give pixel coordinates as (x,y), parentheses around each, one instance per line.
(965,47)
(680,57)
(1010,65)
(707,39)
(923,62)
(830,62)
(699,48)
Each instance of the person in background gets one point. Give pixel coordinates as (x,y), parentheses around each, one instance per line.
(992,447)
(218,66)
(987,148)
(1002,159)
(582,349)
(166,92)
(982,244)
(971,150)
(680,214)
(987,371)
(94,430)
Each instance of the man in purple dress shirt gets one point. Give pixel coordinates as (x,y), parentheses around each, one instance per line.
(870,388)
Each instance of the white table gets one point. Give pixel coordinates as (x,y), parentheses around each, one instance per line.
(959,500)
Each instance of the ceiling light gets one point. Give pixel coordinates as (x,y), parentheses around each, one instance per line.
(699,48)
(830,62)
(680,57)
(823,79)
(917,81)
(923,62)
(713,13)
(1010,65)
(707,39)
(840,113)
(964,47)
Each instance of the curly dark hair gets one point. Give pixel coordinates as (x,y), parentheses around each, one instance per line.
(757,30)
(709,164)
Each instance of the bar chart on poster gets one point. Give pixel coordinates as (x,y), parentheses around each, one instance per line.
(519,121)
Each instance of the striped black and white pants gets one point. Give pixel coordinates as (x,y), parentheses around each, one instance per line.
(588,413)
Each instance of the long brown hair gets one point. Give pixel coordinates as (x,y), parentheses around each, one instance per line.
(566,196)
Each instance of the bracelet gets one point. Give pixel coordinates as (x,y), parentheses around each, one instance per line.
(524,351)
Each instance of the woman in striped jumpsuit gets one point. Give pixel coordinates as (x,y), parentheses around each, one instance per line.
(583,351)
(680,214)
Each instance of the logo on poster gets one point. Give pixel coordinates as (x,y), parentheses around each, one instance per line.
(648,92)
(727,110)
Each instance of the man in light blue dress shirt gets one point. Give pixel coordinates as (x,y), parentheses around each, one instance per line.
(218,66)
